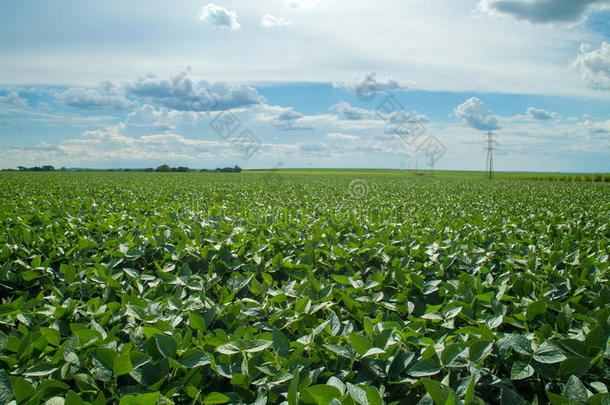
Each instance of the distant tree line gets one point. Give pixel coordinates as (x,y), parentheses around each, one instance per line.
(167,168)
(46,168)
(163,169)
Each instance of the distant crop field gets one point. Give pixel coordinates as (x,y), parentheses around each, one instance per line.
(276,287)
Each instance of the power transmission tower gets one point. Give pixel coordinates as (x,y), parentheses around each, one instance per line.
(490,155)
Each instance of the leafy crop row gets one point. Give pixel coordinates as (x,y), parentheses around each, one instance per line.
(187,288)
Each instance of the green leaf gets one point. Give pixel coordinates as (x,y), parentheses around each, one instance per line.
(557,399)
(229,348)
(534,309)
(521,370)
(253,346)
(424,368)
(337,383)
(166,345)
(106,357)
(320,394)
(510,397)
(216,398)
(72,398)
(151,373)
(577,366)
(357,394)
(340,350)
(294,389)
(41,370)
(194,358)
(597,337)
(373,352)
(360,343)
(575,390)
(6,388)
(480,350)
(440,393)
(549,353)
(197,322)
(122,365)
(451,351)
(22,388)
(373,396)
(141,399)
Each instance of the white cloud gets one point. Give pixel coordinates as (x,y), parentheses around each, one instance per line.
(338,135)
(369,85)
(474,112)
(183,95)
(284,118)
(348,112)
(541,115)
(543,11)
(13,98)
(92,99)
(218,16)
(599,128)
(271,21)
(595,66)
(303,5)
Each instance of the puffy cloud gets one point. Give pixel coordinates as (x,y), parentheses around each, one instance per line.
(284,118)
(218,16)
(595,66)
(183,95)
(348,112)
(13,98)
(271,21)
(474,112)
(543,11)
(93,99)
(541,115)
(338,135)
(303,5)
(369,85)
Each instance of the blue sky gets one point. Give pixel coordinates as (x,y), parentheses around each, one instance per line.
(306,82)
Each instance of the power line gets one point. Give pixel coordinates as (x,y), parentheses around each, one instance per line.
(490,155)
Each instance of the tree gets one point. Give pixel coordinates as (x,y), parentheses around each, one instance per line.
(164,168)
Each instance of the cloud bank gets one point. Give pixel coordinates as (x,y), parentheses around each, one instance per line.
(543,11)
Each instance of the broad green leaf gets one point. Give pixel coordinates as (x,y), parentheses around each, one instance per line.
(229,348)
(549,353)
(122,365)
(6,388)
(320,394)
(440,393)
(215,398)
(357,394)
(166,345)
(521,370)
(253,346)
(141,399)
(194,358)
(293,389)
(575,390)
(360,343)
(479,350)
(424,368)
(281,344)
